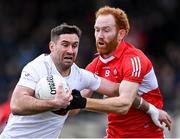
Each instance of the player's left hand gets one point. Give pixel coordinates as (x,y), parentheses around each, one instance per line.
(165,118)
(160,117)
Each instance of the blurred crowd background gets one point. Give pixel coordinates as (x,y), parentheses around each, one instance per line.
(155,29)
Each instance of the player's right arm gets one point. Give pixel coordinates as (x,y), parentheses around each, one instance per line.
(157,115)
(23,101)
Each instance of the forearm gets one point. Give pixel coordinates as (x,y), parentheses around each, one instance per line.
(119,105)
(146,107)
(28,105)
(140,103)
(114,105)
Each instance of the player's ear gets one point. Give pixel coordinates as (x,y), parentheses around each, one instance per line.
(51,45)
(121,34)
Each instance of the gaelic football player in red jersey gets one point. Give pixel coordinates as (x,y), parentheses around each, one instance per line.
(119,61)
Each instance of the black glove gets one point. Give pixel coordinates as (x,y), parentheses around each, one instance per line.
(78,101)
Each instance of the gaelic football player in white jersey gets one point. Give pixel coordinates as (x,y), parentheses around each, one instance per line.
(36,118)
(31,117)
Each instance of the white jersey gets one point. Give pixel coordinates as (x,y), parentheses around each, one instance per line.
(47,124)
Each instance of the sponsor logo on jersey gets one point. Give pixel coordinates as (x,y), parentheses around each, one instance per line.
(51,84)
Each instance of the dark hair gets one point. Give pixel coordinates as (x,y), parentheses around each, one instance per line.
(64,29)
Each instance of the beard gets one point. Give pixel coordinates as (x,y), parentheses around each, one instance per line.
(108,48)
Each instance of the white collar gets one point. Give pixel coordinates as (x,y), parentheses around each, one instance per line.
(107,59)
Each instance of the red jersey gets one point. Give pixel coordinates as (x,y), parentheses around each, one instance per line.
(129,63)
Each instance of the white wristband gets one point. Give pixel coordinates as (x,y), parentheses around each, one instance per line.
(152,109)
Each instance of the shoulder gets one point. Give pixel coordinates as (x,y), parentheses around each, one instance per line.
(135,56)
(36,66)
(135,64)
(33,71)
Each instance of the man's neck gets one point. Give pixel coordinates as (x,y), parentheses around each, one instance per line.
(63,71)
(60,68)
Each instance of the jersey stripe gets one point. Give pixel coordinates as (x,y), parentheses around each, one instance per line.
(139,63)
(133,67)
(136,65)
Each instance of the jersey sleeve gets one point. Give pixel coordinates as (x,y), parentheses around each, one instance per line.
(29,77)
(91,80)
(135,68)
